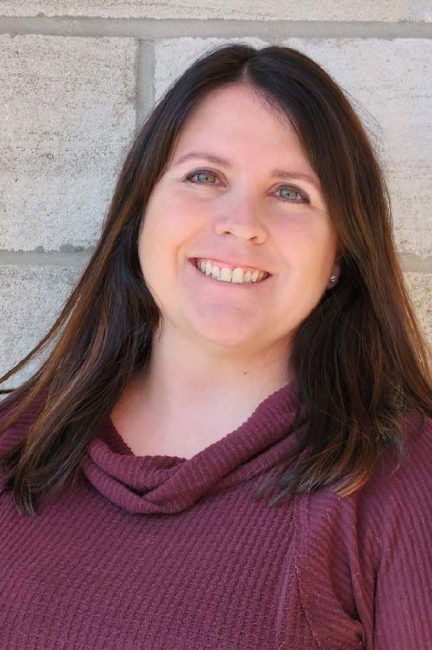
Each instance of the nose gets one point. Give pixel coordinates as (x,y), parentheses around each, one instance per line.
(242,218)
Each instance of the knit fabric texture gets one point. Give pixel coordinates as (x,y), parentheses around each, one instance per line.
(168,553)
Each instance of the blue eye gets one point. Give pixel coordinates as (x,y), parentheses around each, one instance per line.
(292,190)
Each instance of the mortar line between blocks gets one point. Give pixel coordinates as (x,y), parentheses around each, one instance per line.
(75,259)
(156,29)
(410,263)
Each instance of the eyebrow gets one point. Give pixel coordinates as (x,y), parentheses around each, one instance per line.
(276,173)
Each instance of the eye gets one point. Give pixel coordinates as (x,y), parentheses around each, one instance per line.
(204,176)
(292,190)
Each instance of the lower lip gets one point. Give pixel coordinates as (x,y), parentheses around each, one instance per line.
(233,285)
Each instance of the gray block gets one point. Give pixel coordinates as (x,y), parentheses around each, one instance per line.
(31,300)
(420,289)
(66,119)
(340,10)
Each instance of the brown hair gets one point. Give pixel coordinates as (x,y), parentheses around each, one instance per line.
(358,359)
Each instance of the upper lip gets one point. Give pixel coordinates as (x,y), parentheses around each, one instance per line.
(231,263)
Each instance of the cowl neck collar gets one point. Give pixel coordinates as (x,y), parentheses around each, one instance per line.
(171,484)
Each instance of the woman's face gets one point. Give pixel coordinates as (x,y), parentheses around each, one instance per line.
(232,193)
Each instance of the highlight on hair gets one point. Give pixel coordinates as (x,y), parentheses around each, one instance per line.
(359,359)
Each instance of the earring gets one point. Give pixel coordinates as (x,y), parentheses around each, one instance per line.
(332,279)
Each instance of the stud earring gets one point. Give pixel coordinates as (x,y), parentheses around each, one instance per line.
(332,279)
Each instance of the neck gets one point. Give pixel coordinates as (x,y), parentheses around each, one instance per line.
(217,385)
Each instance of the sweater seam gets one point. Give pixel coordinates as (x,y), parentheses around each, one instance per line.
(299,568)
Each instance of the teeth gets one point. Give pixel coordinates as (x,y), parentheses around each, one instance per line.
(236,276)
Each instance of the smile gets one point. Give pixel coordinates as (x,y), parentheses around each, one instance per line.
(232,277)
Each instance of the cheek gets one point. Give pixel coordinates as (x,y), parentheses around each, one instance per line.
(154,263)
(160,240)
(171,217)
(152,248)
(310,254)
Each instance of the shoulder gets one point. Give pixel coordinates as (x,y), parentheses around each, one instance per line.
(348,548)
(14,433)
(400,487)
(19,429)
(396,495)
(395,507)
(398,484)
(417,432)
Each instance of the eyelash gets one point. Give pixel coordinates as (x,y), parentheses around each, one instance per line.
(209,173)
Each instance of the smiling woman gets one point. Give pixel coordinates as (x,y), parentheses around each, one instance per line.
(233,216)
(235,419)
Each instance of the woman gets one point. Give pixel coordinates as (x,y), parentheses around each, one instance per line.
(229,444)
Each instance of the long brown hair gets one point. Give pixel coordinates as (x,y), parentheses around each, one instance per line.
(358,359)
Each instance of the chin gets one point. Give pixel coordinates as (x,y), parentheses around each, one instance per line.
(230,339)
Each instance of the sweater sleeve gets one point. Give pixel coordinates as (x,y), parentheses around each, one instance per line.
(365,561)
(402,519)
(17,431)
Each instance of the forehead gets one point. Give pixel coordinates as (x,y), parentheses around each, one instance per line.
(235,105)
(239,122)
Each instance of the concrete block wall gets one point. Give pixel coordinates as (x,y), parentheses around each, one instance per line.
(78,78)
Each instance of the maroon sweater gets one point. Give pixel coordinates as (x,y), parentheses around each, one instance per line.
(164,553)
